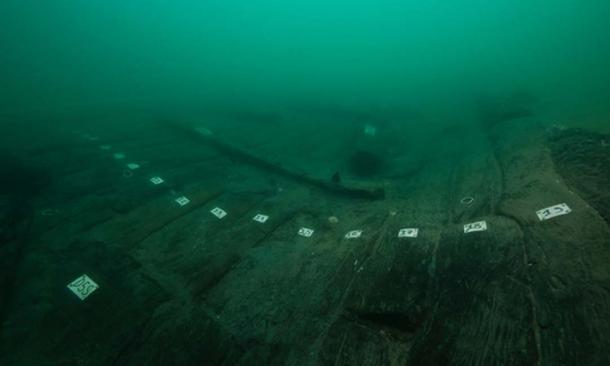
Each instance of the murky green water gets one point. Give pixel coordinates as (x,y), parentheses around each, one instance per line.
(297,182)
(432,56)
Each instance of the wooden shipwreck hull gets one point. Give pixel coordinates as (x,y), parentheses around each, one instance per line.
(179,286)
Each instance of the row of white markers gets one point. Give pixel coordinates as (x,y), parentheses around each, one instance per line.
(544,214)
(84,286)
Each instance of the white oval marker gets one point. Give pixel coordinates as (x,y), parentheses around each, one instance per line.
(467,201)
(475,226)
(218,212)
(83,286)
(408,233)
(133,166)
(182,201)
(553,211)
(354,234)
(119,156)
(156,180)
(260,218)
(105,147)
(305,232)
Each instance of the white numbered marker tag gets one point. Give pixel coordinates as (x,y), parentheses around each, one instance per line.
(408,233)
(354,234)
(553,211)
(305,232)
(218,212)
(105,147)
(119,156)
(83,286)
(475,226)
(89,137)
(370,130)
(156,180)
(182,201)
(260,218)
(204,131)
(133,166)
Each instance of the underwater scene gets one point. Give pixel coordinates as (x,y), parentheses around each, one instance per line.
(265,182)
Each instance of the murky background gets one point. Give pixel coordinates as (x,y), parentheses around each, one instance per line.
(304,182)
(437,58)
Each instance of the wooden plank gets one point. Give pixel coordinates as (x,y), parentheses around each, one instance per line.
(248,158)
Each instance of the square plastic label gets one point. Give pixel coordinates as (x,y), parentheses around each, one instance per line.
(305,232)
(260,218)
(475,226)
(133,166)
(119,156)
(553,211)
(354,234)
(408,233)
(204,131)
(156,180)
(218,212)
(89,137)
(182,201)
(83,286)
(370,130)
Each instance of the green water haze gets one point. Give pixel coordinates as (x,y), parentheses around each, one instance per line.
(266,182)
(437,57)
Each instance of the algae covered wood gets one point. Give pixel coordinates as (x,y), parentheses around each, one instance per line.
(180,285)
(206,137)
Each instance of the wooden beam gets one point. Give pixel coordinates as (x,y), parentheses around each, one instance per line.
(206,138)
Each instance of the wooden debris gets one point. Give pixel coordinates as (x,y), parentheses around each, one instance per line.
(276,168)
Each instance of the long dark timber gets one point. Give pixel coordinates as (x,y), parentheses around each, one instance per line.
(248,158)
